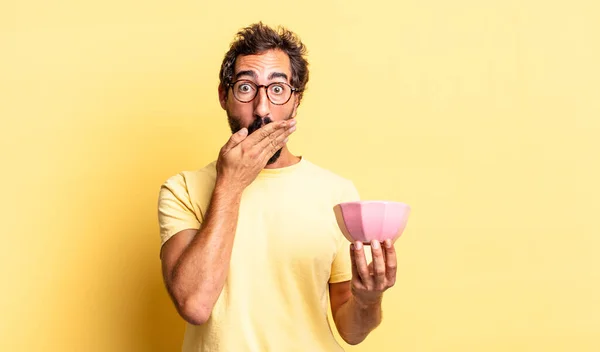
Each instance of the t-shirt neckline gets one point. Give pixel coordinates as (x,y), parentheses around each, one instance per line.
(282,170)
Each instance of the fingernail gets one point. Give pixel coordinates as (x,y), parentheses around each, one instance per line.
(243,131)
(292,122)
(358,245)
(286,140)
(293,128)
(388,243)
(375,244)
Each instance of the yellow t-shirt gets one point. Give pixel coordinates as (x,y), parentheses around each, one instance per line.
(287,248)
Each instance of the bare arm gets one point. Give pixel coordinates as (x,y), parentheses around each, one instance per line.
(356,304)
(354,320)
(195,263)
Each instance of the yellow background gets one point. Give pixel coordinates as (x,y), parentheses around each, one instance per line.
(484,116)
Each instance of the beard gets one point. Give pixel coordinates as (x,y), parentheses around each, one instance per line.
(258,122)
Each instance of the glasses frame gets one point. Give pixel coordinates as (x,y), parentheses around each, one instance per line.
(258,87)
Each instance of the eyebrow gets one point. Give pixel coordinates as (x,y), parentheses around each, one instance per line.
(277,75)
(253,75)
(246,73)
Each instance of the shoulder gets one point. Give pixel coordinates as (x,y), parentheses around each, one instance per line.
(191,182)
(329,179)
(324,174)
(206,173)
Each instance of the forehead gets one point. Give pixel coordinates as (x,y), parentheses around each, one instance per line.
(264,63)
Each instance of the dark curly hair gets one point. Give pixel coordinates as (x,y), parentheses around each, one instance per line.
(258,38)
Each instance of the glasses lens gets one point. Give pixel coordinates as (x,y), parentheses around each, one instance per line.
(279,93)
(244,90)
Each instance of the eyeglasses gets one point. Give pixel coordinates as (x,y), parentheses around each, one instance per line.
(278,93)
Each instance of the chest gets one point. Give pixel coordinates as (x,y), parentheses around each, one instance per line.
(286,232)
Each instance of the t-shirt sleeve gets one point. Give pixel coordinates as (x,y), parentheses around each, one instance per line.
(341,268)
(175,210)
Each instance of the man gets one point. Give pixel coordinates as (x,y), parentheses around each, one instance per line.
(251,250)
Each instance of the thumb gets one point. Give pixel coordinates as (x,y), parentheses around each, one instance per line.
(235,139)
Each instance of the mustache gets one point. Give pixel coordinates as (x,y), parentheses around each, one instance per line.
(258,123)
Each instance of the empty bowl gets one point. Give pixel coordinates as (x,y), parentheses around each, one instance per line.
(369,220)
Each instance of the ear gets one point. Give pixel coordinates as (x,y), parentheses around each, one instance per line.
(296,103)
(223,96)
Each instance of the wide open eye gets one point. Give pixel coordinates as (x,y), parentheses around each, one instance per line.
(277,89)
(245,88)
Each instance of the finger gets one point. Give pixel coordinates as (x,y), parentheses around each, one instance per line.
(378,265)
(391,264)
(287,129)
(271,146)
(266,131)
(235,139)
(355,275)
(361,264)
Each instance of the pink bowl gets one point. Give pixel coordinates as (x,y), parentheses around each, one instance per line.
(372,220)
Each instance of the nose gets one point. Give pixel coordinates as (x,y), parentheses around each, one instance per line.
(262,105)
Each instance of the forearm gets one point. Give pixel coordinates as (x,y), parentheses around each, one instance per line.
(201,271)
(355,320)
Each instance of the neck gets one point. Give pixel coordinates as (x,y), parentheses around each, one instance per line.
(285,159)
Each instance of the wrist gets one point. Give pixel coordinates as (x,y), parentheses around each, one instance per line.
(367,303)
(228,189)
